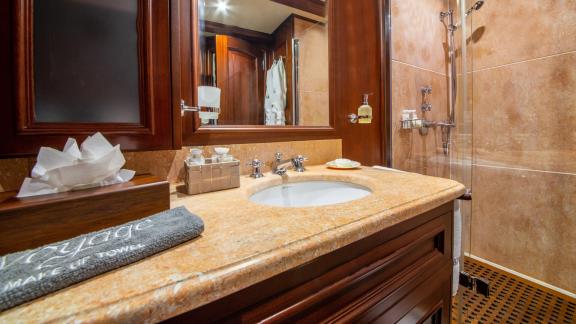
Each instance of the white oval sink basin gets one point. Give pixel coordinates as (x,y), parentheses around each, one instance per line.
(310,193)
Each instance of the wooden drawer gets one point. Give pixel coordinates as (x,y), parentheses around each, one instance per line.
(361,282)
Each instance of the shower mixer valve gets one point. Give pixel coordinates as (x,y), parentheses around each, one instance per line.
(426,105)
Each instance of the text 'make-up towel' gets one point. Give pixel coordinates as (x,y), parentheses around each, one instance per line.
(30,274)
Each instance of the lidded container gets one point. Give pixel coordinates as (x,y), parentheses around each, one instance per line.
(196,157)
(220,172)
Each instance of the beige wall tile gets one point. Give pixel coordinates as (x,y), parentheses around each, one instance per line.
(412,151)
(524,115)
(169,164)
(314,67)
(314,109)
(313,74)
(526,221)
(511,31)
(418,36)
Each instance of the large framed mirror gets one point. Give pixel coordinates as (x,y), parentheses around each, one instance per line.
(259,68)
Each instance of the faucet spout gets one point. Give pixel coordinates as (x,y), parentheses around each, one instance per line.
(278,164)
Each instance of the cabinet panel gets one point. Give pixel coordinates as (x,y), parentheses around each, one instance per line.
(354,288)
(85,61)
(57,87)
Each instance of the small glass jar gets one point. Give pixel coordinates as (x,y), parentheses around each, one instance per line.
(195,157)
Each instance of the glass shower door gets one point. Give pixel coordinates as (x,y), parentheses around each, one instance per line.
(461,152)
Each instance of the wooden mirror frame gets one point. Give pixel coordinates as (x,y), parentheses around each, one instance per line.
(186,57)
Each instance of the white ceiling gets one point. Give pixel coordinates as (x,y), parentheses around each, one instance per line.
(259,15)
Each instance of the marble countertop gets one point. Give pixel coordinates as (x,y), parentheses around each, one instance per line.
(243,243)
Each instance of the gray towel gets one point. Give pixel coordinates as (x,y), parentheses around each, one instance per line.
(33,273)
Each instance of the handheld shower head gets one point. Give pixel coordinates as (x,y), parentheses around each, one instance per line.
(476,6)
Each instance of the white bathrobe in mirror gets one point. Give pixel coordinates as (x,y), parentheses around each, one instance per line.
(275,101)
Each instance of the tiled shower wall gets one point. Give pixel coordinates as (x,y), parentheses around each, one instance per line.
(522,81)
(515,143)
(418,59)
(169,164)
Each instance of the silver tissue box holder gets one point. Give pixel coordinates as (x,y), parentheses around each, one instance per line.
(212,176)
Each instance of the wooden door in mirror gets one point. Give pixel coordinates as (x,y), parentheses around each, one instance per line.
(106,67)
(239,68)
(236,60)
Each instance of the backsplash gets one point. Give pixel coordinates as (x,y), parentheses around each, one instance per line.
(169,164)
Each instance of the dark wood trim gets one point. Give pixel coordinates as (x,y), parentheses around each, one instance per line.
(24,62)
(193,134)
(282,46)
(390,273)
(24,136)
(235,31)
(180,16)
(315,7)
(308,19)
(386,84)
(258,134)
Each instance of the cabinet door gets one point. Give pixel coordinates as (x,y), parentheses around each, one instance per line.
(80,66)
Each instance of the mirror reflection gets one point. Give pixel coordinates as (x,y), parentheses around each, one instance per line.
(263,62)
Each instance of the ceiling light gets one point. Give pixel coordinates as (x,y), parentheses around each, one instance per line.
(222,6)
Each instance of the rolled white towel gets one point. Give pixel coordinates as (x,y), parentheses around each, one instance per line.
(457,247)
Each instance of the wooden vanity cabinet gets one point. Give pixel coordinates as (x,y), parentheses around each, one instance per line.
(399,275)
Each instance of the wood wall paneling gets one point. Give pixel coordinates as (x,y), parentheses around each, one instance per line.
(356,65)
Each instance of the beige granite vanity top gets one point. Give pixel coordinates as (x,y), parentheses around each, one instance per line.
(243,243)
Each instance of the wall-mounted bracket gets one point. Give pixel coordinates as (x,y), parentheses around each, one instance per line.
(184,108)
(353,118)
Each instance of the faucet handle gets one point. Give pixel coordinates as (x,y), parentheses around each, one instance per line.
(301,158)
(278,156)
(298,163)
(256,168)
(255,163)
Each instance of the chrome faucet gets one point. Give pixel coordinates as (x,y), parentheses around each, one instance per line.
(256,168)
(278,164)
(298,163)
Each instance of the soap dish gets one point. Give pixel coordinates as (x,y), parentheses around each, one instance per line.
(349,165)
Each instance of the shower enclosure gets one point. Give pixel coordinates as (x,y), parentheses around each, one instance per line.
(500,81)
